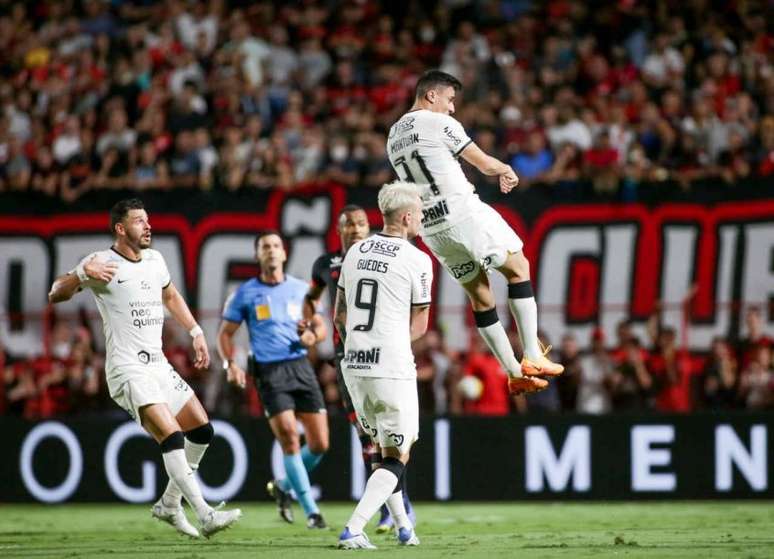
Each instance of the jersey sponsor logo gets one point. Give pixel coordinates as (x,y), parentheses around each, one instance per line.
(460,270)
(122,280)
(142,314)
(385,248)
(424,285)
(404,142)
(147,357)
(452,136)
(403,125)
(435,214)
(363,358)
(371,265)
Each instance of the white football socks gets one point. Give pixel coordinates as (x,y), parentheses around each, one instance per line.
(524,310)
(182,475)
(380,486)
(495,337)
(398,510)
(193,455)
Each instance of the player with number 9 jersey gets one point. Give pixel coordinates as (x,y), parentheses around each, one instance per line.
(382,277)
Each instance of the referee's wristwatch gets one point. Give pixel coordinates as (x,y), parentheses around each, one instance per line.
(227,363)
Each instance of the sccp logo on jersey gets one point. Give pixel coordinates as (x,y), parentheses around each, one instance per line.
(385,248)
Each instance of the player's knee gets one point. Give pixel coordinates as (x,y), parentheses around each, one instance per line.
(203,434)
(520,290)
(290,446)
(393,465)
(518,266)
(318,447)
(288,439)
(175,441)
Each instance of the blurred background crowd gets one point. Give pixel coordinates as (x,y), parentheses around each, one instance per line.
(234,95)
(611,372)
(591,99)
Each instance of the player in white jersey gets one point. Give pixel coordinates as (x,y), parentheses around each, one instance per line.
(131,285)
(382,305)
(466,235)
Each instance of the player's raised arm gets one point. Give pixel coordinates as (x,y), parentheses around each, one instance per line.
(178,308)
(491,166)
(340,313)
(67,285)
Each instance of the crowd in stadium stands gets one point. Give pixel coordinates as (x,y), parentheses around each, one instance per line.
(632,375)
(234,94)
(238,95)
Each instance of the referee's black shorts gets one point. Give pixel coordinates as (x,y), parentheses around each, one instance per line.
(287,385)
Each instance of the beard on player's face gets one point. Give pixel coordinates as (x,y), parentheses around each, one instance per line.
(138,238)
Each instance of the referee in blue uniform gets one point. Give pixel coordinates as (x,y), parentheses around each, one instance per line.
(272,307)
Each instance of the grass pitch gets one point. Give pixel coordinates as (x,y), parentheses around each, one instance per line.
(706,529)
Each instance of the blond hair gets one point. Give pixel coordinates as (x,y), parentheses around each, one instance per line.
(397,195)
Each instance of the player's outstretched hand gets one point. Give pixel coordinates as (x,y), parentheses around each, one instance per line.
(99,270)
(236,375)
(508,181)
(202,354)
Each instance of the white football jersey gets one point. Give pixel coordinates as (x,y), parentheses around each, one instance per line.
(424,148)
(132,309)
(382,278)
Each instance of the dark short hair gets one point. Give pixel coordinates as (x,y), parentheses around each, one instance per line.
(433,79)
(349,208)
(266,233)
(120,210)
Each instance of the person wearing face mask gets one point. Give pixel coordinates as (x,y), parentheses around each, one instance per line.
(341,167)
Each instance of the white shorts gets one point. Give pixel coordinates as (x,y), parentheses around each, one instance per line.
(133,388)
(387,409)
(482,241)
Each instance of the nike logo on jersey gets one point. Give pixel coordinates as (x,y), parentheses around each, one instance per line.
(122,281)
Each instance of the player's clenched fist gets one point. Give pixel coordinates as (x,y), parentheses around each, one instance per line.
(508,181)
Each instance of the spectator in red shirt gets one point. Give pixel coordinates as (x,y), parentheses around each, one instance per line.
(671,369)
(601,164)
(479,363)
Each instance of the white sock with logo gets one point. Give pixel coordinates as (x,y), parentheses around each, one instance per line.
(182,475)
(193,454)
